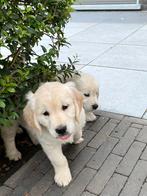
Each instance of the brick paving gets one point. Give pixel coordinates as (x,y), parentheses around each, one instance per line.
(112,161)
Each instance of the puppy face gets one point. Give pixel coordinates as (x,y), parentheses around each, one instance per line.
(90,90)
(55,108)
(90,100)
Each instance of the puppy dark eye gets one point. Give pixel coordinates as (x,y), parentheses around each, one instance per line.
(64,107)
(86,94)
(46,113)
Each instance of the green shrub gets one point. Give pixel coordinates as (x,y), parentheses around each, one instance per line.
(23,23)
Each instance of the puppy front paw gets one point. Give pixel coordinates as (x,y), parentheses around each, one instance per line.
(90,117)
(79,140)
(14,155)
(63,177)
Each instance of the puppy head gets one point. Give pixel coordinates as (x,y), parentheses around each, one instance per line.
(55,108)
(88,86)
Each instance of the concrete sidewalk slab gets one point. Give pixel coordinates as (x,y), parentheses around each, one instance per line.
(74,28)
(85,51)
(124,57)
(106,33)
(138,38)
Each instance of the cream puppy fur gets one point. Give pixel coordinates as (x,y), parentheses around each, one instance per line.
(54,115)
(88,86)
(8,135)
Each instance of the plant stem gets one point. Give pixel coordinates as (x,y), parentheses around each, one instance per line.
(15,56)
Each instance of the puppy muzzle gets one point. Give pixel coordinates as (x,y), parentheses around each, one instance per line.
(62,133)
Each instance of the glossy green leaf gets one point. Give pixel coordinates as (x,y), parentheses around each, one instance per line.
(2,104)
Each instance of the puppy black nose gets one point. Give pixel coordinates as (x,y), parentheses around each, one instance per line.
(61,130)
(95,106)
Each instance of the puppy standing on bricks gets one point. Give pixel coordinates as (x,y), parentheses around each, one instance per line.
(88,86)
(84,83)
(54,115)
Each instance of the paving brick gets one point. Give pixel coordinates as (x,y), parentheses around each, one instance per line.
(126,141)
(89,124)
(25,171)
(44,166)
(81,160)
(86,193)
(114,185)
(144,155)
(98,124)
(99,157)
(114,121)
(72,151)
(130,159)
(78,185)
(43,184)
(121,129)
(54,190)
(76,166)
(109,114)
(137,126)
(137,120)
(142,135)
(5,191)
(135,180)
(143,190)
(104,174)
(20,191)
(26,184)
(102,136)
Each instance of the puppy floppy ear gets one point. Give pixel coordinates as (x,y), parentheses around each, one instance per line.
(78,102)
(29,113)
(78,99)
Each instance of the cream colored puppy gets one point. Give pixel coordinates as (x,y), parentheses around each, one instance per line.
(54,115)
(88,86)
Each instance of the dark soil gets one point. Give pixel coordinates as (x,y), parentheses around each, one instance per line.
(27,149)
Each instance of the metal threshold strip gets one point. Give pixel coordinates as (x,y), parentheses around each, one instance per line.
(131,6)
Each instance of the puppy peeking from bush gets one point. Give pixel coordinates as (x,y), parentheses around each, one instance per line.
(88,86)
(53,116)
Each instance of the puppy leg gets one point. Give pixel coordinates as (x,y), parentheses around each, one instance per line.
(78,137)
(90,117)
(60,164)
(8,135)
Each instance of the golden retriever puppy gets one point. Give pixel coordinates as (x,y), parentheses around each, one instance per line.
(54,115)
(88,86)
